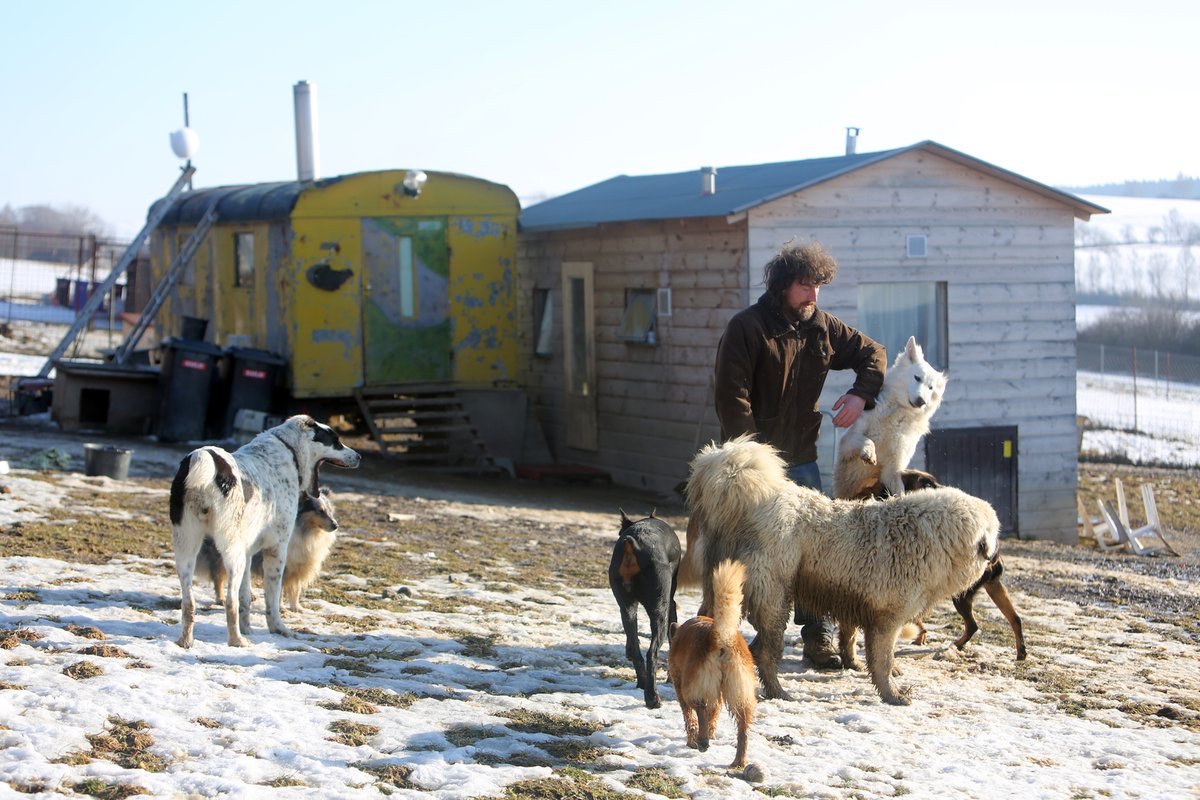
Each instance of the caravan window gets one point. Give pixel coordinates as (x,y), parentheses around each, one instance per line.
(243,259)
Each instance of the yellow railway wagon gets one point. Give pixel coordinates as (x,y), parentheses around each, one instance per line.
(356,282)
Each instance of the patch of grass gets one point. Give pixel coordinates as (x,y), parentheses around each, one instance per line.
(12,637)
(379,696)
(206,722)
(283,781)
(355,666)
(5,685)
(104,651)
(23,596)
(468,605)
(574,751)
(351,652)
(75,759)
(92,538)
(466,735)
(351,734)
(657,781)
(125,743)
(107,791)
(391,774)
(525,758)
(350,704)
(417,669)
(29,788)
(86,631)
(475,646)
(356,624)
(550,724)
(82,670)
(569,784)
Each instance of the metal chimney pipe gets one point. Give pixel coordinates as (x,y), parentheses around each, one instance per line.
(708,180)
(304,95)
(851,140)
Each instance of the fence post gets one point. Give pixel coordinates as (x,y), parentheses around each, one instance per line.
(1135,423)
(1102,358)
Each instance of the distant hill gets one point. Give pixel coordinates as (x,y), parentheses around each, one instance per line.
(1178,188)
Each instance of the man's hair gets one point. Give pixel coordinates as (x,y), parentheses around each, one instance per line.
(807,262)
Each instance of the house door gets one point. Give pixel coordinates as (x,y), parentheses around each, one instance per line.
(980,461)
(405,315)
(579,355)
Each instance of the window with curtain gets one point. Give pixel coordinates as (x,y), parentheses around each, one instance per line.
(891,312)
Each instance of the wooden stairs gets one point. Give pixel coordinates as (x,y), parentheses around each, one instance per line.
(425,426)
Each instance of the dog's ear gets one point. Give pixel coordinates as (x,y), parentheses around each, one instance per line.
(625,521)
(653,511)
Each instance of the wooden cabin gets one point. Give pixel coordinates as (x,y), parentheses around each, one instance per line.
(368,289)
(632,281)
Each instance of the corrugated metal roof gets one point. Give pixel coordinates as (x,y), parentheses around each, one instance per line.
(678,195)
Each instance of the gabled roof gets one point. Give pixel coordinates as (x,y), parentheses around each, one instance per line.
(630,198)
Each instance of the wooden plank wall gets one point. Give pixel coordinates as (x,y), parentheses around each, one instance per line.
(655,402)
(1007,255)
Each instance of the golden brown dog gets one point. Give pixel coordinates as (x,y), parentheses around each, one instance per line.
(710,665)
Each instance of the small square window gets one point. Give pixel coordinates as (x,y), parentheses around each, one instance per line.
(637,325)
(918,245)
(243,259)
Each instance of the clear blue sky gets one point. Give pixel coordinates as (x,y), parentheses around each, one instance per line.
(547,97)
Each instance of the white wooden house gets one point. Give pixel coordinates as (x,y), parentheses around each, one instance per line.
(633,280)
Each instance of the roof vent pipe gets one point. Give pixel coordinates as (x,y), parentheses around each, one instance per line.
(708,180)
(305,96)
(851,140)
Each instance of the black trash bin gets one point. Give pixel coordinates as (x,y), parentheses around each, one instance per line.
(252,377)
(186,385)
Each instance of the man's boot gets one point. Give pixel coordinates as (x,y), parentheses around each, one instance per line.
(819,647)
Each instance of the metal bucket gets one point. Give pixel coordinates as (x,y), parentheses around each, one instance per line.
(106,460)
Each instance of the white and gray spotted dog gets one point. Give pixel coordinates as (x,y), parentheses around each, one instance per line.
(247,502)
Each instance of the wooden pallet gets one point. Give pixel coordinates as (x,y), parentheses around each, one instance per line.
(426,426)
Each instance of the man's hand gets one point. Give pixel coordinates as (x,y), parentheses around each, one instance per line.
(849,407)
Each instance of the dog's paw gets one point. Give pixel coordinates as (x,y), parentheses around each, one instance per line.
(853,664)
(654,702)
(867,453)
(184,641)
(239,641)
(898,699)
(283,630)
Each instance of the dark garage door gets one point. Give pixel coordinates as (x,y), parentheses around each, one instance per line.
(980,461)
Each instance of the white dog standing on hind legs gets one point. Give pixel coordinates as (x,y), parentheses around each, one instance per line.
(247,502)
(881,442)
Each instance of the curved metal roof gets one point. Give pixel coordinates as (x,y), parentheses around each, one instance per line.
(253,202)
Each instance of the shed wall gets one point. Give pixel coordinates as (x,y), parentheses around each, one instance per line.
(1007,256)
(654,400)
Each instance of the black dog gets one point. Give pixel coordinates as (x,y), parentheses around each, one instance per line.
(644,569)
(990,580)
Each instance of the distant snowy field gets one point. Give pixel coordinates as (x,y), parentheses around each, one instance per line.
(1135,248)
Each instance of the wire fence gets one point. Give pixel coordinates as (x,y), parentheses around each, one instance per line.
(1132,362)
(47,277)
(1150,392)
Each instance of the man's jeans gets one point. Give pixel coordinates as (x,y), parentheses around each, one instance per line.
(813,629)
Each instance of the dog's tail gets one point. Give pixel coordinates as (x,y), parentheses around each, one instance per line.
(728,481)
(727,579)
(200,471)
